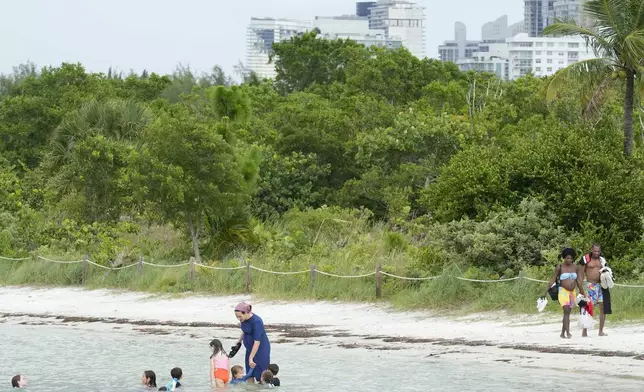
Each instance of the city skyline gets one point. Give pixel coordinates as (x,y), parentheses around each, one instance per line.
(159,35)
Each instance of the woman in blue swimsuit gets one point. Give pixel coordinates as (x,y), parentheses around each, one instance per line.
(255,340)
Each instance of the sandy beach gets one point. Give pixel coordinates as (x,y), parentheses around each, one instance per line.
(526,340)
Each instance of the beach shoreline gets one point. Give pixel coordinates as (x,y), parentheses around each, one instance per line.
(518,340)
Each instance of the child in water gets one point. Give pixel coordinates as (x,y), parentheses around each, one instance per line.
(176,375)
(149,379)
(267,379)
(219,367)
(238,375)
(19,381)
(274,369)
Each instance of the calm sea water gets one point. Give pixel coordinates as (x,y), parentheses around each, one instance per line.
(58,358)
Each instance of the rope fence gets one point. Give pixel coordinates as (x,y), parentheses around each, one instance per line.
(312,271)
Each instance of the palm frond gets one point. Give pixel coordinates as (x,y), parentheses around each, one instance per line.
(610,17)
(591,106)
(585,73)
(639,15)
(633,51)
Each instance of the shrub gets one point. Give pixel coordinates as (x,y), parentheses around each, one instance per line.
(507,240)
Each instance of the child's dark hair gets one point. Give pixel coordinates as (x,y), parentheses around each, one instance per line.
(176,373)
(274,368)
(267,377)
(236,369)
(217,348)
(152,378)
(15,381)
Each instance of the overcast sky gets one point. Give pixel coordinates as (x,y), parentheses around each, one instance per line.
(158,34)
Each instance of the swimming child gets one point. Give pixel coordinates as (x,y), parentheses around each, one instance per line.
(176,375)
(238,374)
(19,381)
(219,366)
(149,379)
(274,369)
(267,379)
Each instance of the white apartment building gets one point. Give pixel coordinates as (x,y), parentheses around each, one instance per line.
(345,24)
(401,20)
(355,28)
(543,56)
(491,58)
(261,34)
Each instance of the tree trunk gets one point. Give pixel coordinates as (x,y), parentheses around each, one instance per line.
(194,234)
(628,113)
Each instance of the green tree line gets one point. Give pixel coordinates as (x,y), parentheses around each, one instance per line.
(448,167)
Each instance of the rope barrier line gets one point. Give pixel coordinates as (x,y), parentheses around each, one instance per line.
(279,272)
(409,278)
(291,272)
(166,265)
(633,286)
(60,261)
(487,280)
(13,259)
(98,265)
(219,268)
(345,276)
(124,267)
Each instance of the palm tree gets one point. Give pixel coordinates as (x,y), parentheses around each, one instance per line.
(617,40)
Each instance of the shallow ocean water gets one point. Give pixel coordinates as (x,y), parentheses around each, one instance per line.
(67,358)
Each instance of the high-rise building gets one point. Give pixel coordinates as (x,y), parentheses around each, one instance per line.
(363,8)
(544,56)
(537,16)
(460,47)
(261,34)
(498,30)
(355,28)
(521,55)
(401,20)
(567,10)
(491,57)
(516,28)
(345,24)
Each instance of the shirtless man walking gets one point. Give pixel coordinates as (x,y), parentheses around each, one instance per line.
(590,267)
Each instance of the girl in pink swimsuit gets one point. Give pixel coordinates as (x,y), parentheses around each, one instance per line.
(219,365)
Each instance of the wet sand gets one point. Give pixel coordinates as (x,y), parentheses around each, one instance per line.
(524,340)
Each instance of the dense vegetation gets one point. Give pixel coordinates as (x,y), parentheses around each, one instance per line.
(351,157)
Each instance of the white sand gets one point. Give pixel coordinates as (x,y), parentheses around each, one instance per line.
(358,319)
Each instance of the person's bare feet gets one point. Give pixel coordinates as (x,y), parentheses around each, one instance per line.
(601,333)
(569,335)
(563,336)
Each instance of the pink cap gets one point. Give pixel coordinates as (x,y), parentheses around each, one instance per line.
(243,307)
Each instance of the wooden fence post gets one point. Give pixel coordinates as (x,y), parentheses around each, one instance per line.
(248,279)
(313,276)
(379,281)
(85,268)
(140,267)
(192,269)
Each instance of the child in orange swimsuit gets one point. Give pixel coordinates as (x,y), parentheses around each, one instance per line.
(219,366)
